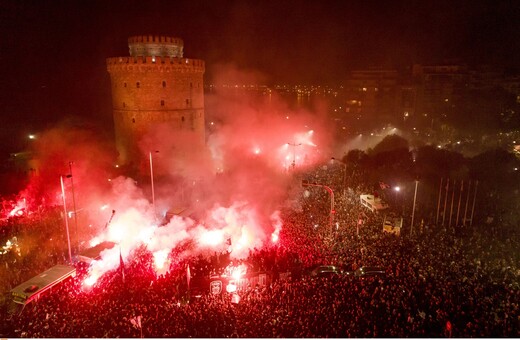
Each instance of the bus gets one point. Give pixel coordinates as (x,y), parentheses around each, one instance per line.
(32,289)
(373,203)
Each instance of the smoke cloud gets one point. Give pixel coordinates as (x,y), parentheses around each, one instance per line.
(232,191)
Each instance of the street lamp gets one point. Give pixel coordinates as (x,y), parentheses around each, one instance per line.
(294,145)
(344,173)
(74,205)
(151,179)
(66,217)
(397,190)
(413,209)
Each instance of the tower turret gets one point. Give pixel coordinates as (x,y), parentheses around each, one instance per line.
(155,46)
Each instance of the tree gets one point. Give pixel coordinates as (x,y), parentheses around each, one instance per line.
(432,163)
(390,143)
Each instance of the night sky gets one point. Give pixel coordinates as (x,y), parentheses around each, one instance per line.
(53,52)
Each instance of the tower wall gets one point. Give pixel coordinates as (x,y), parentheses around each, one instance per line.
(149,90)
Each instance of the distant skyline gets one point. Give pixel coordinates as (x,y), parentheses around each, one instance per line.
(53,52)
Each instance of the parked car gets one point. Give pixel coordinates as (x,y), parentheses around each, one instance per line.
(325,271)
(366,271)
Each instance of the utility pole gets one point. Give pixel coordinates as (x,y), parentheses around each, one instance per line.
(66,217)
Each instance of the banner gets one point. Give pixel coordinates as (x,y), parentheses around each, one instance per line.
(215,287)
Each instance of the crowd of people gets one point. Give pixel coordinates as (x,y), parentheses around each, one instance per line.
(438,283)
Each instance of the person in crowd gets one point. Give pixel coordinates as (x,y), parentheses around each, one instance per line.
(437,284)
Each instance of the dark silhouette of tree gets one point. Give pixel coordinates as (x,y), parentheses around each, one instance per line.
(389,143)
(496,166)
(432,163)
(390,160)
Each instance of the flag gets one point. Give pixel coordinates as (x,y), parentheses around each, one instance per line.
(188,275)
(121,265)
(235,298)
(136,322)
(383,185)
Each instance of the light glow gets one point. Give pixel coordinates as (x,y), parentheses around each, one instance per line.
(212,237)
(159,258)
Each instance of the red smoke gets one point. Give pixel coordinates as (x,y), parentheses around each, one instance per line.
(236,187)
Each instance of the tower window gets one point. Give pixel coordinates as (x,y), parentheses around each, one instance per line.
(187,102)
(124,104)
(182,118)
(124,84)
(163,84)
(138,85)
(162,102)
(191,85)
(133,120)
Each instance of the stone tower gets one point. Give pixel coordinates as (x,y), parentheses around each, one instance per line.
(155,85)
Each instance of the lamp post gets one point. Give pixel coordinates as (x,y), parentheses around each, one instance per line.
(344,173)
(151,179)
(152,183)
(294,145)
(66,217)
(74,205)
(413,209)
(397,189)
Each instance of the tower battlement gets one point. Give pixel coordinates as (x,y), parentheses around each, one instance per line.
(155,45)
(156,39)
(193,65)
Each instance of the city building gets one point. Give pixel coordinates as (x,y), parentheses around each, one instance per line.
(371,95)
(438,88)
